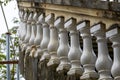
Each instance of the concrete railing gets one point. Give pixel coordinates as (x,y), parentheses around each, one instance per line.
(51,50)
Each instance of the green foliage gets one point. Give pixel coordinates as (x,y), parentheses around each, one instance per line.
(13,50)
(4,2)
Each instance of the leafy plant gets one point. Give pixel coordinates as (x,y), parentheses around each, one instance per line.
(13,50)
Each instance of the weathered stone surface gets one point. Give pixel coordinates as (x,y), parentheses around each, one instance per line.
(48,1)
(76,3)
(66,2)
(115,6)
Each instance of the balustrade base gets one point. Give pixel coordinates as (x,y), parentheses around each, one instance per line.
(73,77)
(63,67)
(53,62)
(89,76)
(75,72)
(107,79)
(45,56)
(117,78)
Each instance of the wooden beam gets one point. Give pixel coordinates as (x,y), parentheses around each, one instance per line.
(9,62)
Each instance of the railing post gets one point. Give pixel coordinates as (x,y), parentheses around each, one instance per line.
(39,35)
(75,52)
(88,57)
(63,48)
(104,62)
(8,55)
(53,43)
(114,37)
(28,34)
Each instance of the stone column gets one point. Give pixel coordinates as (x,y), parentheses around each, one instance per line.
(104,62)
(24,26)
(28,33)
(75,52)
(88,57)
(53,44)
(63,48)
(26,44)
(39,35)
(114,36)
(44,54)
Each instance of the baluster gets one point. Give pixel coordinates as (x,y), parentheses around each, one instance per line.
(114,36)
(52,48)
(53,44)
(45,40)
(23,26)
(21,15)
(88,58)
(28,34)
(104,62)
(39,35)
(31,46)
(28,59)
(21,55)
(44,54)
(63,48)
(75,52)
(26,44)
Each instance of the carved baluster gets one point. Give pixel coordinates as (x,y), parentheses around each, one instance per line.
(39,35)
(26,42)
(88,57)
(28,59)
(33,35)
(21,55)
(75,52)
(53,44)
(104,62)
(52,48)
(24,45)
(63,48)
(21,15)
(32,48)
(44,54)
(28,34)
(24,26)
(114,36)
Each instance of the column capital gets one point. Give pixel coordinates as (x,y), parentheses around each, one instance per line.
(30,17)
(70,24)
(59,23)
(84,28)
(98,29)
(50,19)
(25,17)
(83,25)
(35,18)
(41,18)
(21,14)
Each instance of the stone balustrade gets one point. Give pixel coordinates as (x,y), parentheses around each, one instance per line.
(61,58)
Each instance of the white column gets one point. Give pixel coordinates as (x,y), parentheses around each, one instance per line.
(21,15)
(39,35)
(104,62)
(63,48)
(24,26)
(75,52)
(28,33)
(33,33)
(114,36)
(45,41)
(53,43)
(88,58)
